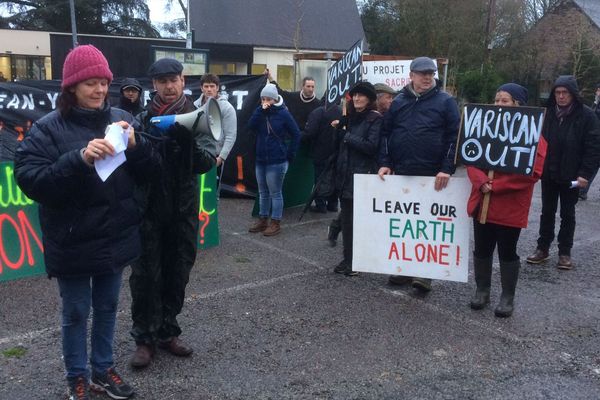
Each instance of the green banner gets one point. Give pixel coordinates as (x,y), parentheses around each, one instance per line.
(21,248)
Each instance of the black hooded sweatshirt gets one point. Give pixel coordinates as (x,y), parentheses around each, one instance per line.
(573,141)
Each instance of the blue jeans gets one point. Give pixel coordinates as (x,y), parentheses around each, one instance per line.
(270,182)
(78,294)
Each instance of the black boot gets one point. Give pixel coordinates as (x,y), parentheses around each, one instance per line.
(509,274)
(483,280)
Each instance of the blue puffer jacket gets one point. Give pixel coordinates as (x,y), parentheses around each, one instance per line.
(89,227)
(280,142)
(419,133)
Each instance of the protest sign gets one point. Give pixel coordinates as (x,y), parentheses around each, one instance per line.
(394,73)
(24,102)
(344,73)
(500,138)
(402,226)
(21,245)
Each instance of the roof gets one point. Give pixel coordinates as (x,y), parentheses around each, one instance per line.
(296,24)
(591,8)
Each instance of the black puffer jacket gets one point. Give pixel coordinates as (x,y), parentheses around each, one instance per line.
(359,145)
(320,134)
(89,227)
(573,143)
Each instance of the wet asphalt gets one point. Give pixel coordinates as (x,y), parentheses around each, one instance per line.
(270,320)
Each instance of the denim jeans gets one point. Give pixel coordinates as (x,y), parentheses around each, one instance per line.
(78,294)
(270,182)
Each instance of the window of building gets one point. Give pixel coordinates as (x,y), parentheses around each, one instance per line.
(222,68)
(5,69)
(285,77)
(258,69)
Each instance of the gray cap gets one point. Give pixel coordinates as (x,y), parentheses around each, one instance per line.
(383,88)
(165,66)
(423,64)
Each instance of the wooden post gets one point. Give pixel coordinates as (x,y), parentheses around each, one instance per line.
(486,202)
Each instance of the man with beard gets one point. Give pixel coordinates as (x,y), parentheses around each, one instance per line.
(170,224)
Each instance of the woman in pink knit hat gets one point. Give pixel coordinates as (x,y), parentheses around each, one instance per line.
(90,226)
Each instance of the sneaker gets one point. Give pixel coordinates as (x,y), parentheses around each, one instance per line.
(78,389)
(340,268)
(112,384)
(538,257)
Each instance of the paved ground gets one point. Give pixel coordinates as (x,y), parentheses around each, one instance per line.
(269,320)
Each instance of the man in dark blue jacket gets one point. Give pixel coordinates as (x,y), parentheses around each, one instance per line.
(419,136)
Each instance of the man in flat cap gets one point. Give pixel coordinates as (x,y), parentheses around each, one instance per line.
(170,225)
(385,95)
(419,136)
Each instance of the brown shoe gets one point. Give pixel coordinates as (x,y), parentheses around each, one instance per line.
(142,356)
(538,256)
(260,225)
(564,262)
(273,229)
(176,347)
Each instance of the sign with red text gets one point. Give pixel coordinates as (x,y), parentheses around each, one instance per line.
(394,73)
(402,226)
(21,246)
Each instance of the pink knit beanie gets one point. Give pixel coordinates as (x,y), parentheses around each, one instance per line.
(82,63)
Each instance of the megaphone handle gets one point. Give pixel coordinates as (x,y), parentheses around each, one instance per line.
(197,121)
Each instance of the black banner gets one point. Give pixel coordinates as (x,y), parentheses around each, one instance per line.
(344,73)
(22,103)
(500,138)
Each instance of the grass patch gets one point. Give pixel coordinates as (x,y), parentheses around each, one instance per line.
(15,352)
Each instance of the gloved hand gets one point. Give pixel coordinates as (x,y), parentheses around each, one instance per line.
(181,135)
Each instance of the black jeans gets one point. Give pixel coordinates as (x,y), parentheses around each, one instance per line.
(552,192)
(346,215)
(488,235)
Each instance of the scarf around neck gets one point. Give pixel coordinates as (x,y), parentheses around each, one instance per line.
(158,107)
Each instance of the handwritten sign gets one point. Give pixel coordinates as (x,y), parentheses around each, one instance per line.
(402,226)
(500,138)
(21,245)
(394,73)
(344,73)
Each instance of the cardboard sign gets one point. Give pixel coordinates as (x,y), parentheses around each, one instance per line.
(344,73)
(394,73)
(21,246)
(500,138)
(402,226)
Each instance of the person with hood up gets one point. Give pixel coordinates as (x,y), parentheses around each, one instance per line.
(131,96)
(572,132)
(277,141)
(509,202)
(583,192)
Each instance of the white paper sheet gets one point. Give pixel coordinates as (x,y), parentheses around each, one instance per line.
(118,138)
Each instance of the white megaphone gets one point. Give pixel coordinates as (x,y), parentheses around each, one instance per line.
(206,119)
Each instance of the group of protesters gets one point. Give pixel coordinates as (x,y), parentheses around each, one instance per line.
(145,213)
(414,132)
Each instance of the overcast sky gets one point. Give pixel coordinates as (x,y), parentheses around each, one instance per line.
(158,14)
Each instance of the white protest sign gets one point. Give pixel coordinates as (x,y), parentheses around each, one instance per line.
(402,226)
(394,73)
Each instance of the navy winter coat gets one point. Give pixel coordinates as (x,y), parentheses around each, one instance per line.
(89,227)
(279,142)
(419,133)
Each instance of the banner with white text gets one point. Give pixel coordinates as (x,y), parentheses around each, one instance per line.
(342,75)
(402,226)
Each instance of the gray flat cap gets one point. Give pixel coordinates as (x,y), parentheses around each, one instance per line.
(383,88)
(423,64)
(165,66)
